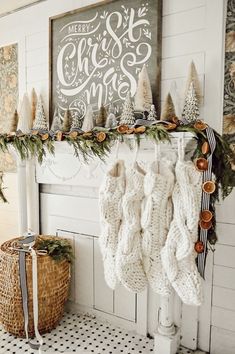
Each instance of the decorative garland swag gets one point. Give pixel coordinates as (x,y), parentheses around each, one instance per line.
(98,143)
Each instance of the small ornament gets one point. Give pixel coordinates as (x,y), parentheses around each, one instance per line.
(14,122)
(205,148)
(201,164)
(200,125)
(205,225)
(122,129)
(143,96)
(191,107)
(66,121)
(111,121)
(88,122)
(40,122)
(152,116)
(101,136)
(102,116)
(25,116)
(127,116)
(168,111)
(208,187)
(34,100)
(56,122)
(76,122)
(206,215)
(199,247)
(140,129)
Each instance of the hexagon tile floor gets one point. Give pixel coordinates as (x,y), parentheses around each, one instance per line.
(84,335)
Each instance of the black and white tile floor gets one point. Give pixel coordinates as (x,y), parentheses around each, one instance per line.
(85,335)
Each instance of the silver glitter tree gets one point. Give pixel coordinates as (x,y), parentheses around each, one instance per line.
(191,106)
(127,116)
(152,116)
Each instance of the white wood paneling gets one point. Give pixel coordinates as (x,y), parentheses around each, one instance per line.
(184,22)
(225,210)
(225,256)
(103,297)
(223,297)
(37,57)
(37,40)
(183,44)
(175,6)
(222,341)
(226,234)
(224,277)
(223,318)
(125,303)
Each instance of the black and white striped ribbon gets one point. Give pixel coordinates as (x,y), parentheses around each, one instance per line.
(205,205)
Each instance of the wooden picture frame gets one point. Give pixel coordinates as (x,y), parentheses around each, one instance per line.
(97,52)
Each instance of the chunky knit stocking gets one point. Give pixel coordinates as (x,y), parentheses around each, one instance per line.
(178,255)
(110,200)
(129,265)
(156,218)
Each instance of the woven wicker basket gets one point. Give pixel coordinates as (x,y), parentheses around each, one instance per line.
(53,288)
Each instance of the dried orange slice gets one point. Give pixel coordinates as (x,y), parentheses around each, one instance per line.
(208,187)
(101,136)
(199,247)
(200,125)
(201,164)
(206,215)
(44,136)
(73,134)
(122,129)
(205,225)
(205,148)
(59,136)
(140,129)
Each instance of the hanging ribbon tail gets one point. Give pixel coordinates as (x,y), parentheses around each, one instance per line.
(205,205)
(24,292)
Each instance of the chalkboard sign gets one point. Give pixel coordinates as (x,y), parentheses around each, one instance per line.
(97,52)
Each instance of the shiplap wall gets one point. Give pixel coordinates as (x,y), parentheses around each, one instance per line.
(189,33)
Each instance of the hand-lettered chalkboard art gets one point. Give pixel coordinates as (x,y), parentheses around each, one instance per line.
(98,51)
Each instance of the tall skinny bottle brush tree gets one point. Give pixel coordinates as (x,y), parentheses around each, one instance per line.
(143,97)
(40,122)
(127,116)
(191,107)
(168,111)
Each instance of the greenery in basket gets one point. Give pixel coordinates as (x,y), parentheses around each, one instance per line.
(58,248)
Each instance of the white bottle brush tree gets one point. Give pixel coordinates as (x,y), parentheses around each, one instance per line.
(193,96)
(56,122)
(40,122)
(143,96)
(88,122)
(25,116)
(152,116)
(76,122)
(191,108)
(127,116)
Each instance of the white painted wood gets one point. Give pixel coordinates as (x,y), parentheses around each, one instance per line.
(37,40)
(178,67)
(225,256)
(14,5)
(222,341)
(224,277)
(175,6)
(125,303)
(223,318)
(223,297)
(225,209)
(37,57)
(183,44)
(32,197)
(225,234)
(103,297)
(189,329)
(70,237)
(37,73)
(22,195)
(184,22)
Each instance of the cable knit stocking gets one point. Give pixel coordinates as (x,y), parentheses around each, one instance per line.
(110,199)
(129,265)
(178,255)
(156,218)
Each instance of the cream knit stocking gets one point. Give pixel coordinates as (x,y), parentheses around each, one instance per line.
(110,198)
(156,218)
(129,265)
(178,255)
